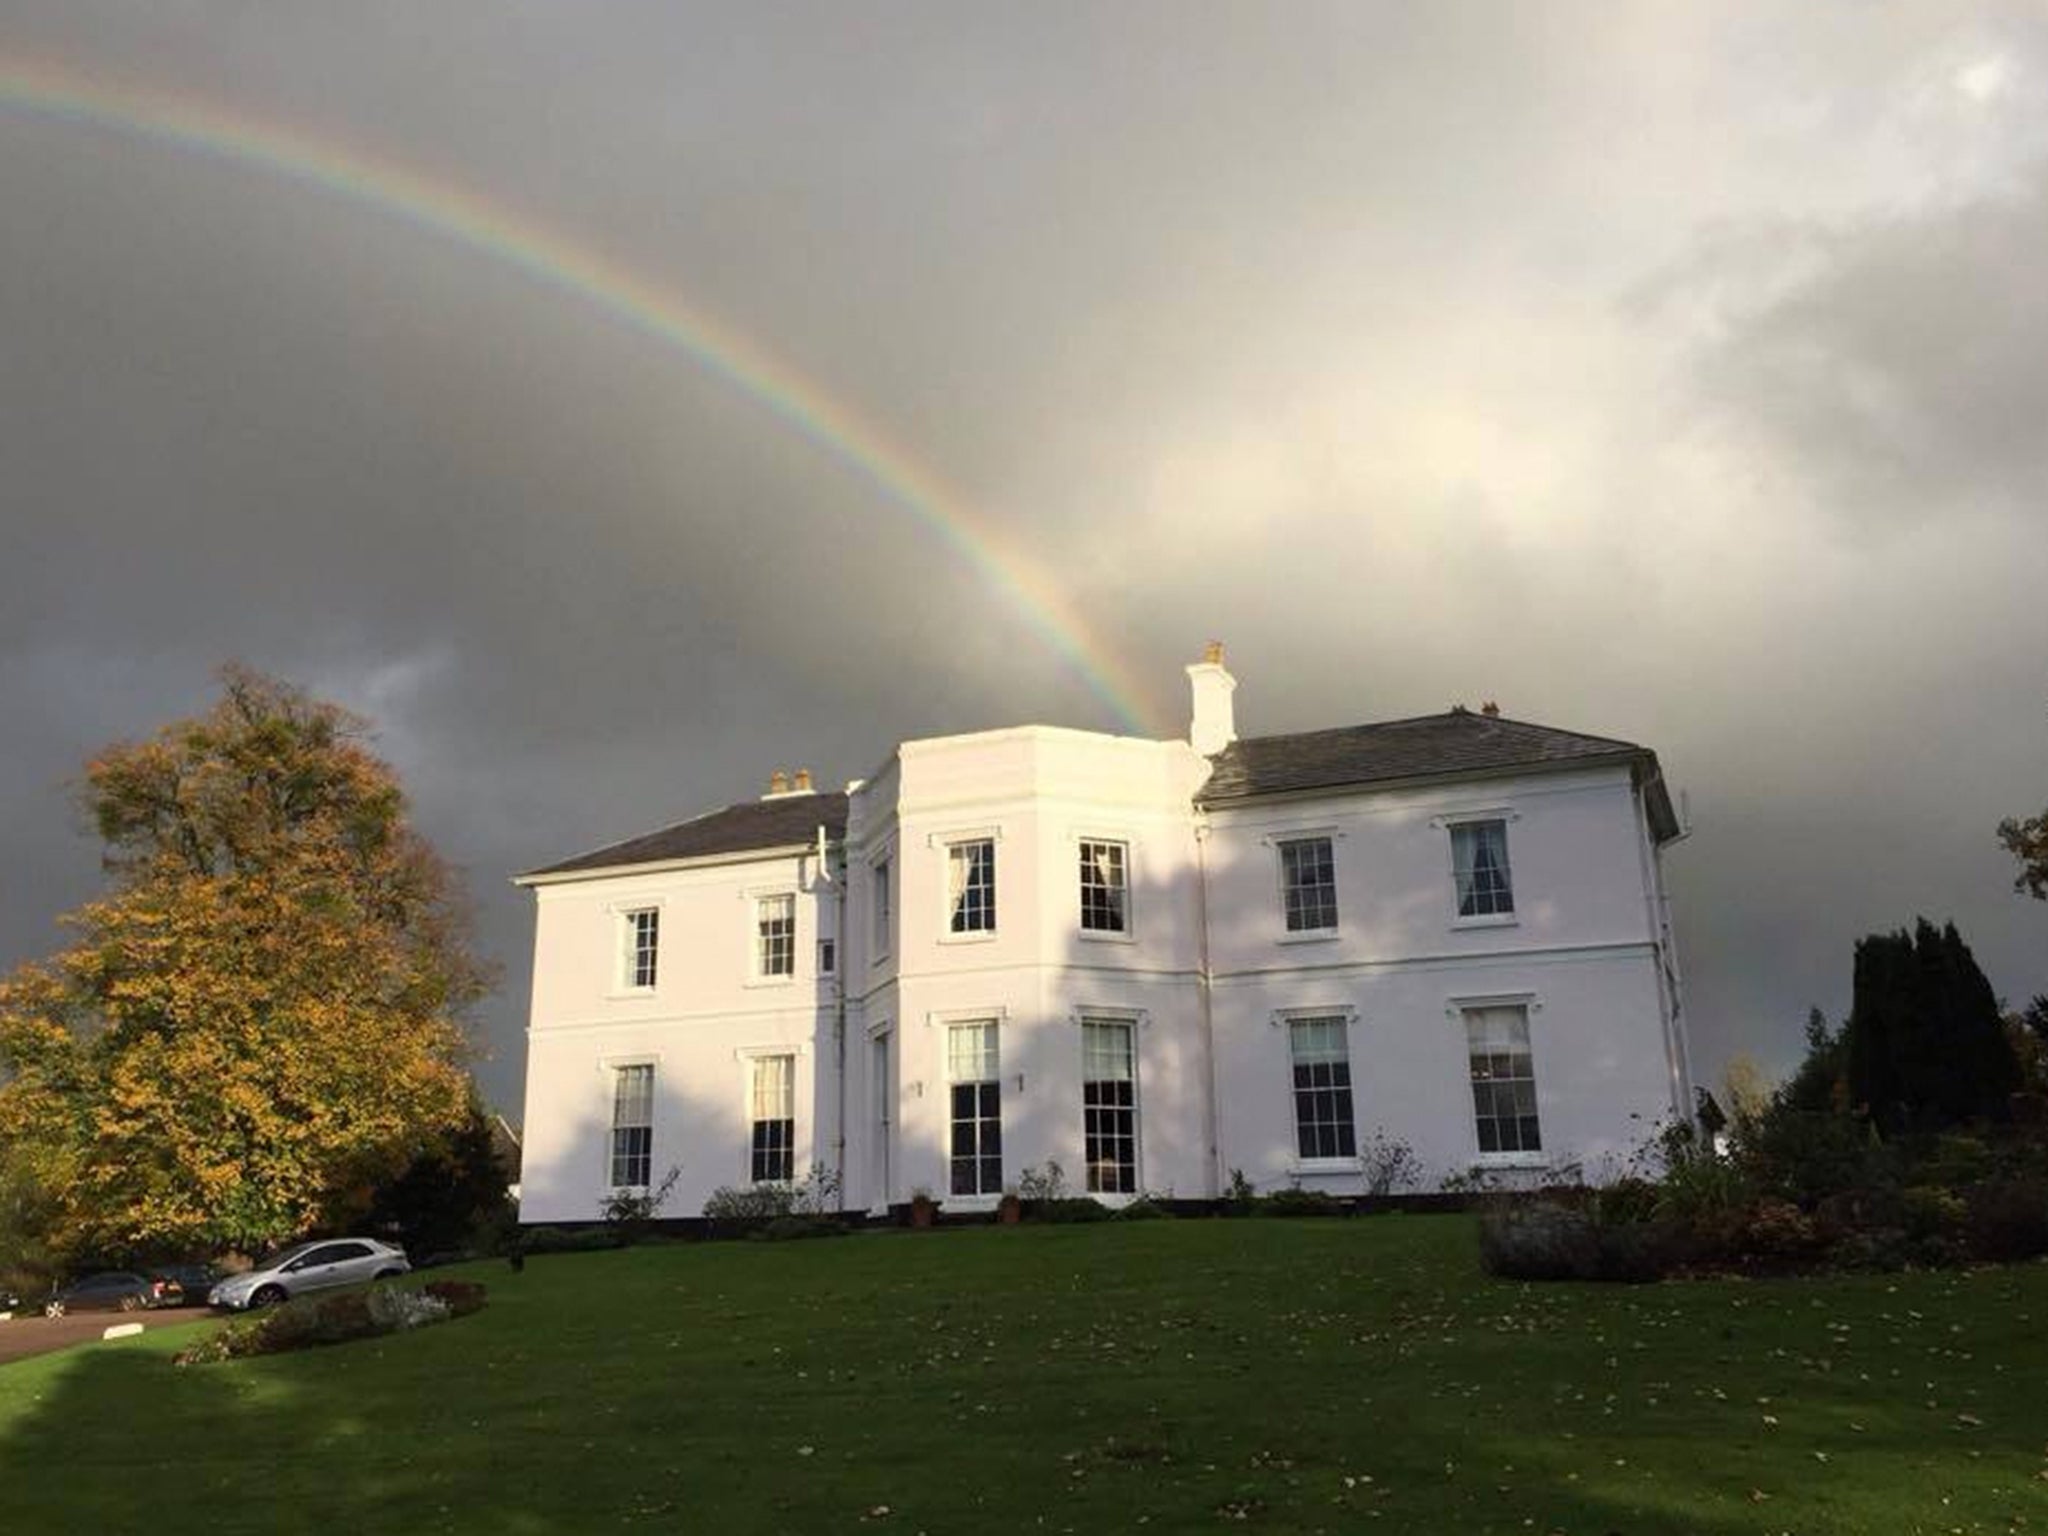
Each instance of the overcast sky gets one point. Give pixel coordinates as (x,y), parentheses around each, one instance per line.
(1672,373)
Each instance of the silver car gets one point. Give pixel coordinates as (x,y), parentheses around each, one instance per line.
(309,1267)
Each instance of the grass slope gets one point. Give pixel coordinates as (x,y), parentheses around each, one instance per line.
(1296,1375)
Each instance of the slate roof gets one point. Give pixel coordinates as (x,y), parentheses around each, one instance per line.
(782,822)
(1449,745)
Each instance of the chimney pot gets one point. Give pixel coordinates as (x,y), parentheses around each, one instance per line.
(778,782)
(1490,709)
(1212,653)
(803,779)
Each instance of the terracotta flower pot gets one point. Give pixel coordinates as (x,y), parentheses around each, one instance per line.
(923,1212)
(1010,1211)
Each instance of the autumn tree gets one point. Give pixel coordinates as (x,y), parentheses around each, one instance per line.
(2027,841)
(261,1018)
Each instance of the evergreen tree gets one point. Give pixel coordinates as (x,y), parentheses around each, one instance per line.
(1926,1044)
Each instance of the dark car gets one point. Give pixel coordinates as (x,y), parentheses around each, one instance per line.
(184,1285)
(117,1290)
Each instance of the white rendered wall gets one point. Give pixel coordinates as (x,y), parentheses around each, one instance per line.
(707,1015)
(1581,950)
(1578,951)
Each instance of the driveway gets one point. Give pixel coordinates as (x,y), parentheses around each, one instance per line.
(25,1336)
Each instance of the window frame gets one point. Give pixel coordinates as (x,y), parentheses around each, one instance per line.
(1281,842)
(1133,1024)
(881,908)
(1127,934)
(1449,825)
(1460,1010)
(625,948)
(757,938)
(615,1071)
(980,1156)
(753,1058)
(948,843)
(1284,1020)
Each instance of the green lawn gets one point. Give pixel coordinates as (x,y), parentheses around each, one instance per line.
(1302,1375)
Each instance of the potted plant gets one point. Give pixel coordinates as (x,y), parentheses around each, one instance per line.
(1010,1209)
(924,1209)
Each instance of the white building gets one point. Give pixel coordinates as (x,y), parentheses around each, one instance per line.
(1154,962)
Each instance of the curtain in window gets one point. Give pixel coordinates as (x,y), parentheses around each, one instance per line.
(773,1109)
(1102,887)
(971,886)
(1479,865)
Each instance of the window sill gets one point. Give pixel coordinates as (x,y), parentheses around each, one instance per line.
(1491,920)
(1511,1160)
(1104,936)
(627,994)
(978,936)
(1308,1167)
(1309,936)
(770,983)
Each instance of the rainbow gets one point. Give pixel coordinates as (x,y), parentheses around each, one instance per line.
(59,94)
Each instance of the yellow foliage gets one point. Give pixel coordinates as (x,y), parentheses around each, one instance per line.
(261,1018)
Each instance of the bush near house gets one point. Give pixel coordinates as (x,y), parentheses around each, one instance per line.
(1912,1135)
(337,1318)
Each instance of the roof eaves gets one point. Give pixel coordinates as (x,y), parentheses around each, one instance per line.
(554,875)
(1443,776)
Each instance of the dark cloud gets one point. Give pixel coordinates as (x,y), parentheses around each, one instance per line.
(1658,376)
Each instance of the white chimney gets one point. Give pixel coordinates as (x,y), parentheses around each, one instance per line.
(1214,725)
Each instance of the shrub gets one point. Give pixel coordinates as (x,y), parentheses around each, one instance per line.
(1301,1202)
(1626,1200)
(1038,1185)
(631,1214)
(338,1318)
(1548,1240)
(1242,1196)
(460,1297)
(1144,1208)
(1778,1229)
(1882,1249)
(1389,1164)
(2008,1219)
(737,1206)
(1927,1210)
(568,1239)
(784,1229)
(1072,1208)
